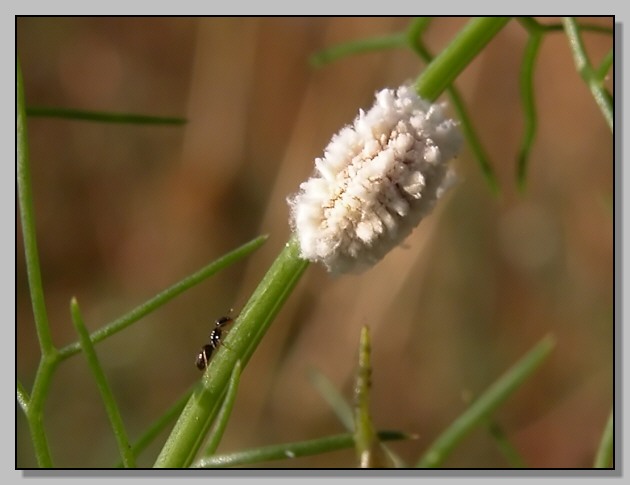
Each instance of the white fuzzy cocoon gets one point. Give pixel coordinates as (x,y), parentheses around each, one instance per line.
(376,181)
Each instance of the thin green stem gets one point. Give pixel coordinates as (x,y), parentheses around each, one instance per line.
(505,446)
(249,328)
(290,450)
(416,29)
(158,426)
(102,117)
(35,416)
(339,51)
(107,395)
(457,55)
(529,106)
(335,400)
(532,25)
(485,405)
(604,66)
(588,74)
(49,357)
(366,442)
(466,123)
(166,295)
(27,217)
(223,416)
(604,455)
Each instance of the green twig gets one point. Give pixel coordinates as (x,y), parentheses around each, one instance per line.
(102,117)
(48,359)
(512,455)
(457,55)
(468,129)
(223,416)
(335,400)
(587,72)
(109,401)
(167,295)
(339,51)
(160,424)
(365,438)
(27,217)
(604,66)
(248,330)
(344,412)
(485,405)
(529,106)
(291,450)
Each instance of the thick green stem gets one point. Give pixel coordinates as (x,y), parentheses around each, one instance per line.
(458,54)
(240,343)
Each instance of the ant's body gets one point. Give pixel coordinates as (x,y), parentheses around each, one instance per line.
(203,358)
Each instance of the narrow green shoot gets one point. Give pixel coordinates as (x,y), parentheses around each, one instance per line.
(291,450)
(536,31)
(339,51)
(506,448)
(591,76)
(48,359)
(223,417)
(466,124)
(27,218)
(158,426)
(529,105)
(486,404)
(109,401)
(102,117)
(367,446)
(168,294)
(335,400)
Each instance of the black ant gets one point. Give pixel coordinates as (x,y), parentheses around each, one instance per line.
(203,357)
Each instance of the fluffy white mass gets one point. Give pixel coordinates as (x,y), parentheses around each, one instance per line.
(376,181)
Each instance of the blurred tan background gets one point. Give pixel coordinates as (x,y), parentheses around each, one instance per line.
(124,211)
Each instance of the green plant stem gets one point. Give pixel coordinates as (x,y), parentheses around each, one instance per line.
(224,413)
(335,400)
(109,401)
(357,47)
(27,217)
(290,450)
(166,295)
(605,65)
(35,416)
(158,426)
(366,442)
(249,328)
(529,106)
(604,455)
(102,117)
(483,407)
(474,143)
(457,55)
(507,449)
(48,359)
(588,74)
